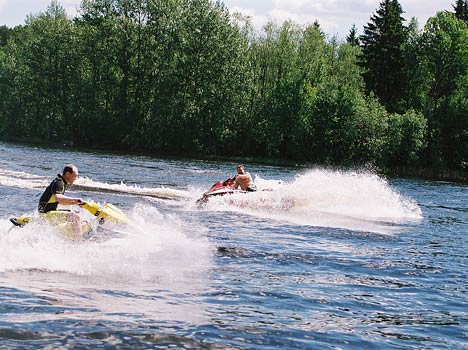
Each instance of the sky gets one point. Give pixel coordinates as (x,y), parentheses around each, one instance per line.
(336,17)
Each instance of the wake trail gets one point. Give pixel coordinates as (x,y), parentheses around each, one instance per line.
(86,184)
(24,180)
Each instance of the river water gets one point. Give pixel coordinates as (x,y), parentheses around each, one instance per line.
(326,259)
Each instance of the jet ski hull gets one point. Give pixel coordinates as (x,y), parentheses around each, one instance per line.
(104,214)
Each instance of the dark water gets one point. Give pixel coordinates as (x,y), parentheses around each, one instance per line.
(327,260)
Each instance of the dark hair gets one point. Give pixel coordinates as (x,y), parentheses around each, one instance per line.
(240,166)
(68,169)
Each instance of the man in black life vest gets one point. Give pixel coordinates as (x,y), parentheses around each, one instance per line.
(54,195)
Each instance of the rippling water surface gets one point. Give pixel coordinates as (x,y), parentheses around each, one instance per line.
(321,260)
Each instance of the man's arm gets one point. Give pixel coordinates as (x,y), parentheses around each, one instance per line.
(65,200)
(236,183)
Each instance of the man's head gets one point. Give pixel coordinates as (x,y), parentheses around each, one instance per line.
(70,173)
(240,169)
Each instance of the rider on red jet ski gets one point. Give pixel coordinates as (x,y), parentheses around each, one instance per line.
(243,179)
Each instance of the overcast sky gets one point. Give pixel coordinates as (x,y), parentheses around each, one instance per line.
(334,16)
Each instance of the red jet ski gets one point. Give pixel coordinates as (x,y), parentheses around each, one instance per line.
(220,188)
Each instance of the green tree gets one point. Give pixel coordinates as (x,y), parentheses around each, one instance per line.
(115,43)
(413,96)
(382,43)
(100,38)
(461,10)
(444,66)
(456,126)
(41,55)
(353,38)
(278,92)
(12,73)
(444,58)
(5,34)
(406,139)
(198,55)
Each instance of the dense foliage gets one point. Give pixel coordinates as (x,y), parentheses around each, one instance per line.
(188,77)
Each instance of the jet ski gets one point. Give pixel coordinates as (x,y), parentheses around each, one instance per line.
(262,201)
(220,188)
(109,219)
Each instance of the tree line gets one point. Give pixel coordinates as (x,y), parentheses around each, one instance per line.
(187,77)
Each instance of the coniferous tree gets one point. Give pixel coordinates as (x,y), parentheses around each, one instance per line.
(352,37)
(382,45)
(317,27)
(461,10)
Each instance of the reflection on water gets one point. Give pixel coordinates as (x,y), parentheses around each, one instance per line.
(65,297)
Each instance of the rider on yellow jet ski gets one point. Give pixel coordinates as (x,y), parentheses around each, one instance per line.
(54,195)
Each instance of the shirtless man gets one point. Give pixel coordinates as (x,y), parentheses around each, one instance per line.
(244,180)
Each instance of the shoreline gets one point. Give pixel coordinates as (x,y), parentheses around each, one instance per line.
(422,173)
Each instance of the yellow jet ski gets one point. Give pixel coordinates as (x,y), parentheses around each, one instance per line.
(106,213)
